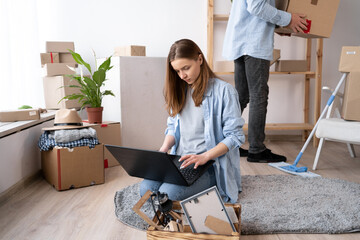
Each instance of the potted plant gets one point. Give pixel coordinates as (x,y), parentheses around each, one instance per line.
(90,95)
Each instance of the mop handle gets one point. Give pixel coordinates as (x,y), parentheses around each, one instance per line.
(329,102)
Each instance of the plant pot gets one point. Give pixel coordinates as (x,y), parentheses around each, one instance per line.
(94,114)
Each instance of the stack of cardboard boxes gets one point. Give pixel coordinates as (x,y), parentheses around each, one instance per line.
(56,62)
(350,62)
(81,166)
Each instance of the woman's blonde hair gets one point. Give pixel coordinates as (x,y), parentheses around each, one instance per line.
(175,87)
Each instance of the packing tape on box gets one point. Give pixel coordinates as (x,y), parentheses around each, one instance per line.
(308,27)
(106,163)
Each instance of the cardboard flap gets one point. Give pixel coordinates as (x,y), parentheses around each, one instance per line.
(217,225)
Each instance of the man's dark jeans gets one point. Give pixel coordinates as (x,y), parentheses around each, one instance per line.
(251,81)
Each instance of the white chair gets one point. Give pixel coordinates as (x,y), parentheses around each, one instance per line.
(333,128)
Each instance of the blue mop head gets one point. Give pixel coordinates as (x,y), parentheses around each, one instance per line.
(293,168)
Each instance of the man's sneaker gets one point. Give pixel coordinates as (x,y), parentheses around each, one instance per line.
(243,152)
(265,156)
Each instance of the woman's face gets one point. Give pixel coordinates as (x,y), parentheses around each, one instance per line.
(188,69)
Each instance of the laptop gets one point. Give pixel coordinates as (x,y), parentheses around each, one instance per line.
(156,165)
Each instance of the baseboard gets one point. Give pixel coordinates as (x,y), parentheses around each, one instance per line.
(290,138)
(284,137)
(19,186)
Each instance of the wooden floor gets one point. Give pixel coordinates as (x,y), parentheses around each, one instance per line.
(40,212)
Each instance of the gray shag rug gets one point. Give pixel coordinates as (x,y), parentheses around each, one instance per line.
(276,204)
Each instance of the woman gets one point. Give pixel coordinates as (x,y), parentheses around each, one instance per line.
(205,123)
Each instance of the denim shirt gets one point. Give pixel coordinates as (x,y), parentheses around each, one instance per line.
(250,29)
(223,123)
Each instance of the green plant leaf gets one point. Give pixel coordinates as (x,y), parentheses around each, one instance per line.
(91,84)
(72,86)
(99,77)
(108,92)
(106,64)
(79,60)
(25,107)
(89,87)
(71,97)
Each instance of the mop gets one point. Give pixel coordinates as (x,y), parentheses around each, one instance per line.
(302,171)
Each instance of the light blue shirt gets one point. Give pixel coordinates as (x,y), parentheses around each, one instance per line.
(250,29)
(223,123)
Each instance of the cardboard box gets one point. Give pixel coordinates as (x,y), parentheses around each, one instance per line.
(224,66)
(66,58)
(282,4)
(319,13)
(59,47)
(54,92)
(137,83)
(19,115)
(131,50)
(49,58)
(291,66)
(80,167)
(276,56)
(351,101)
(56,69)
(350,59)
(108,133)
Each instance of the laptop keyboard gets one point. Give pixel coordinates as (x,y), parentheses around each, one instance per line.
(190,173)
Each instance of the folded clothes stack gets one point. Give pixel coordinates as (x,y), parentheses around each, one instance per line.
(68,132)
(68,138)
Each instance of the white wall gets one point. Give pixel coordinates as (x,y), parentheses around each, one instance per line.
(102,25)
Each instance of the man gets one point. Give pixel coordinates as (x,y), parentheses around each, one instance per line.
(249,41)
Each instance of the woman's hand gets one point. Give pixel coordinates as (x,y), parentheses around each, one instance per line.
(198,160)
(203,158)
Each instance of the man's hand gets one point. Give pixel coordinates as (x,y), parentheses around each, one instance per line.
(298,23)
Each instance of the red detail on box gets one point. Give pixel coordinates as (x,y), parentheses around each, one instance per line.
(85,121)
(308,26)
(59,168)
(52,60)
(104,125)
(106,163)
